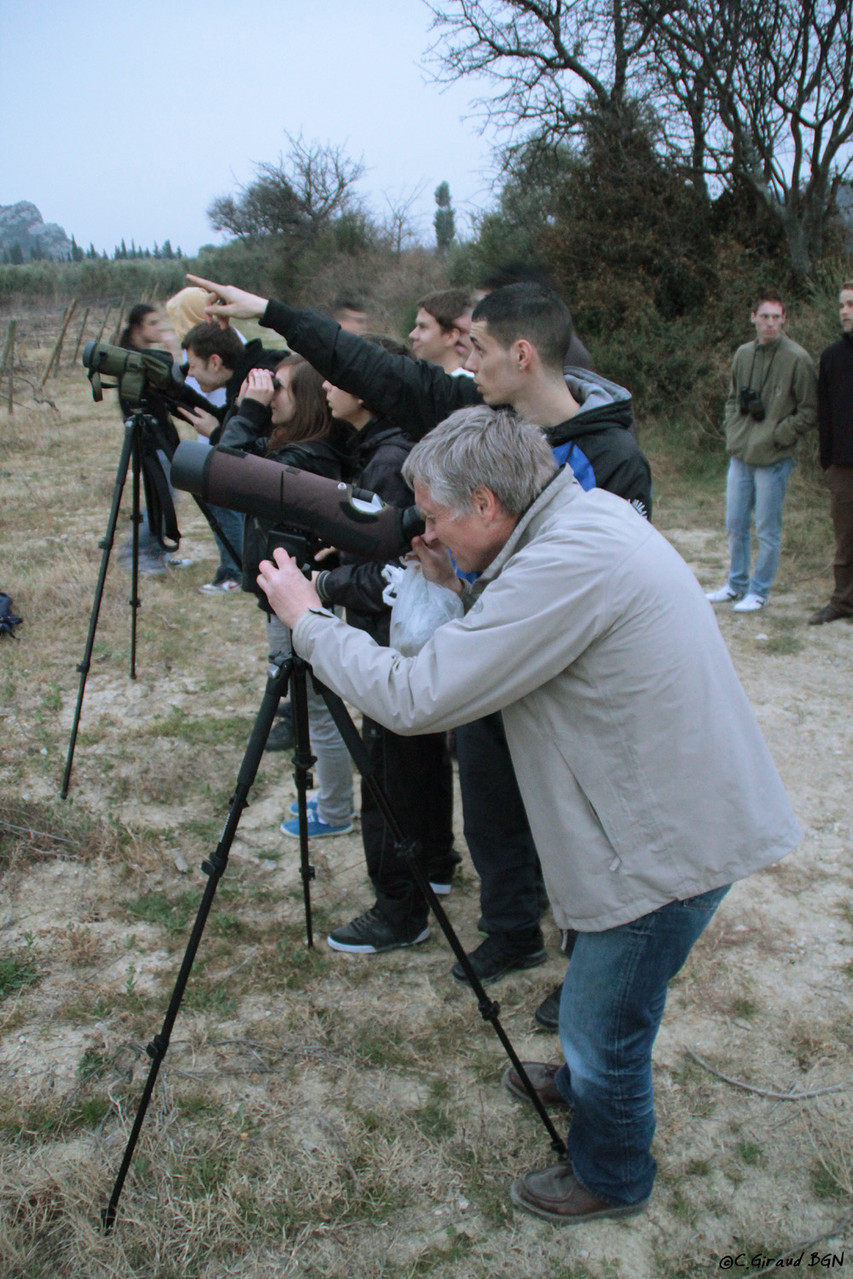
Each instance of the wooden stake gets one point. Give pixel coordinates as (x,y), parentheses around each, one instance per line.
(73,359)
(103,324)
(8,359)
(57,350)
(7,346)
(117,330)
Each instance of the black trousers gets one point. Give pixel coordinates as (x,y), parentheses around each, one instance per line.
(417,776)
(496,828)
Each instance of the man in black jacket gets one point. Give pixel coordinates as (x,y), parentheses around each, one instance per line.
(217,358)
(835,427)
(577,407)
(416,771)
(519,336)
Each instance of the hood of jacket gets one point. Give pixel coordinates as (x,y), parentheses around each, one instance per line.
(602,403)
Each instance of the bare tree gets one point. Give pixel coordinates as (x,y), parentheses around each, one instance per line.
(768,86)
(742,93)
(399,223)
(296,197)
(551,60)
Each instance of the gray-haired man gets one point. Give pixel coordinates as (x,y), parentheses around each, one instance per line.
(647,781)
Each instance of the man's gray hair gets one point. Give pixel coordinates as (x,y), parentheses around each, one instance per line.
(482,446)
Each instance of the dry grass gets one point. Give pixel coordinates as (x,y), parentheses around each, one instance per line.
(317,1114)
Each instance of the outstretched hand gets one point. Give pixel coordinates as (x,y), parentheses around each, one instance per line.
(229,302)
(205,423)
(289,593)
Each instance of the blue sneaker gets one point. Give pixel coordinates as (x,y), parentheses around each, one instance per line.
(310,802)
(315,829)
(310,807)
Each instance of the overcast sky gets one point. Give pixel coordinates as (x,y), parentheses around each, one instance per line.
(127,119)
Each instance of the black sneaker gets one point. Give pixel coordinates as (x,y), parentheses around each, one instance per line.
(547,1015)
(370,933)
(502,953)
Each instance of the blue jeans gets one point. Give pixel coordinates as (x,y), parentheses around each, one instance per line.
(612,1003)
(231,523)
(151,553)
(760,489)
(334,766)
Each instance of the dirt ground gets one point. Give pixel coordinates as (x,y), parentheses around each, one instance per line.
(321,1114)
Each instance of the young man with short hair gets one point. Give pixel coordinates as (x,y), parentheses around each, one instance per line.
(835,427)
(351,315)
(442,324)
(519,336)
(772,402)
(217,358)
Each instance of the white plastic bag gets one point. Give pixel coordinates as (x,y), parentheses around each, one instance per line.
(419,608)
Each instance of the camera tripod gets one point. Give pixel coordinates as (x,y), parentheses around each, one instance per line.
(131,458)
(293,670)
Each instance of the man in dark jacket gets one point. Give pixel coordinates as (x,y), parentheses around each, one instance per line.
(519,336)
(416,771)
(835,427)
(417,395)
(217,358)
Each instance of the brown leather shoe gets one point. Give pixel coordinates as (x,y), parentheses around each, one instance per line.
(555,1194)
(541,1075)
(829,613)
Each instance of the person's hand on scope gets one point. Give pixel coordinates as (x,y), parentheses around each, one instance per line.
(258,386)
(205,423)
(289,593)
(230,302)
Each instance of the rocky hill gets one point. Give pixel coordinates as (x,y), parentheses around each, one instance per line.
(24,234)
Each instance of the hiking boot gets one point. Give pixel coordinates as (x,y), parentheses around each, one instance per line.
(541,1074)
(371,933)
(829,613)
(547,1015)
(502,953)
(556,1195)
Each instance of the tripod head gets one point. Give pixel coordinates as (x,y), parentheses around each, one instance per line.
(136,373)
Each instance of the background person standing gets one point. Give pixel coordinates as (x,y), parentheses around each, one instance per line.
(835,427)
(772,401)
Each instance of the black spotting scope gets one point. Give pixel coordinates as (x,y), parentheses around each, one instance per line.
(335,513)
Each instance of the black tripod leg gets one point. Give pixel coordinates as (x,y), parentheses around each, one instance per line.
(214,868)
(106,545)
(303,762)
(489,1008)
(216,528)
(136,520)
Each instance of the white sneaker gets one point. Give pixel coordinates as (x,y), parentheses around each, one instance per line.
(749,604)
(722,595)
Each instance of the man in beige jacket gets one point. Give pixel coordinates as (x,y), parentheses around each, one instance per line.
(647,781)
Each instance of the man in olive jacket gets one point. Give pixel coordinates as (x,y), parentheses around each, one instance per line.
(648,783)
(772,401)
